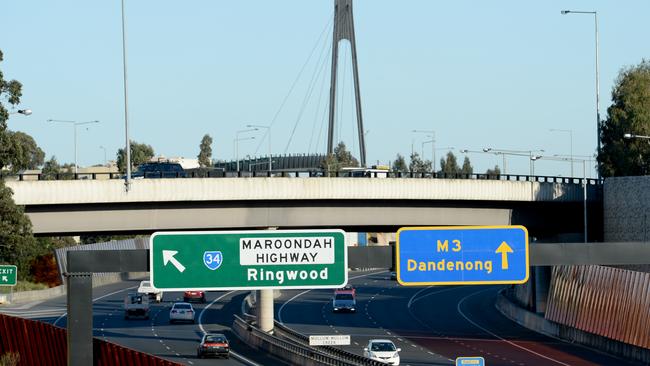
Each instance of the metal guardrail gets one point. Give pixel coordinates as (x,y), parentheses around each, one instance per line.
(254,336)
(333,351)
(292,173)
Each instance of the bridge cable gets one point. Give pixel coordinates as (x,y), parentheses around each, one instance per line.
(293,85)
(320,66)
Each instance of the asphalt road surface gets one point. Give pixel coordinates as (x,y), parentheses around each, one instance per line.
(175,342)
(432,325)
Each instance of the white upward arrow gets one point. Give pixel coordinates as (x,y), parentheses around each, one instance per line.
(168,256)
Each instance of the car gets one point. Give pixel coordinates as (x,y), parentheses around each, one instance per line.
(194,296)
(153,293)
(213,344)
(159,170)
(382,350)
(344,301)
(181,311)
(136,305)
(347,287)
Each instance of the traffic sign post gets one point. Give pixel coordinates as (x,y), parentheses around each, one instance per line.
(8,275)
(246,260)
(462,255)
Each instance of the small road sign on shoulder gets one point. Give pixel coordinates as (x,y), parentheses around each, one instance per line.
(470,361)
(462,255)
(233,260)
(329,340)
(8,275)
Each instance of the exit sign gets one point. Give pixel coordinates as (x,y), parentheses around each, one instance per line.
(8,275)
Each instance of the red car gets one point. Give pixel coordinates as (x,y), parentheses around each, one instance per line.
(189,296)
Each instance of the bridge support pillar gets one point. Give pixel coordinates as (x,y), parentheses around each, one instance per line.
(542,282)
(80,318)
(265,311)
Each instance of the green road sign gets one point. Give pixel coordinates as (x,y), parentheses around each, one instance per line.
(244,260)
(8,275)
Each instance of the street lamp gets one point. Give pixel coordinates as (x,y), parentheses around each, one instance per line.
(595,14)
(570,143)
(127,182)
(584,184)
(433,145)
(237,139)
(503,153)
(633,136)
(74,124)
(103,148)
(268,128)
(25,112)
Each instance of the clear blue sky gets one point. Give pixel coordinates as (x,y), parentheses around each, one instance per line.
(498,73)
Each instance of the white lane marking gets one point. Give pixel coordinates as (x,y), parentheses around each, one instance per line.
(304,292)
(496,336)
(96,299)
(232,353)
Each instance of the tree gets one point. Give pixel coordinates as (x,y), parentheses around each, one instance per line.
(629,113)
(140,154)
(467,167)
(205,154)
(493,172)
(23,152)
(11,91)
(449,164)
(17,244)
(340,158)
(52,170)
(399,165)
(418,165)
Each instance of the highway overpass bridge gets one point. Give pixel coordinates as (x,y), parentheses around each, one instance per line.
(354,204)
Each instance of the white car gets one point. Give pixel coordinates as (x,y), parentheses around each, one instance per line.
(181,311)
(382,350)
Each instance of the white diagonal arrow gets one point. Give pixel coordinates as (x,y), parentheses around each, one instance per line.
(168,256)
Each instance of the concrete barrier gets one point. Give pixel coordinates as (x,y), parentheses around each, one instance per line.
(38,295)
(538,323)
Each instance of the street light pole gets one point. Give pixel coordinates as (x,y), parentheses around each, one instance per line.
(595,14)
(433,146)
(103,148)
(570,143)
(268,128)
(237,139)
(74,124)
(127,182)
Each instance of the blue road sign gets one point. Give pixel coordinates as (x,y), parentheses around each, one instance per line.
(462,255)
(470,361)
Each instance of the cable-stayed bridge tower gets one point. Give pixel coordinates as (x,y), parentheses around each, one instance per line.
(344,29)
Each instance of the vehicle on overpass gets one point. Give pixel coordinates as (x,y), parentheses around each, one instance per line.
(382,350)
(181,311)
(159,170)
(153,293)
(376,171)
(136,305)
(213,344)
(198,296)
(344,301)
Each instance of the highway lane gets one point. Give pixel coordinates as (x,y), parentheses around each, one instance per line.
(175,342)
(432,325)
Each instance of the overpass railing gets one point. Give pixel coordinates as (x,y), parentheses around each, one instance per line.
(293,173)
